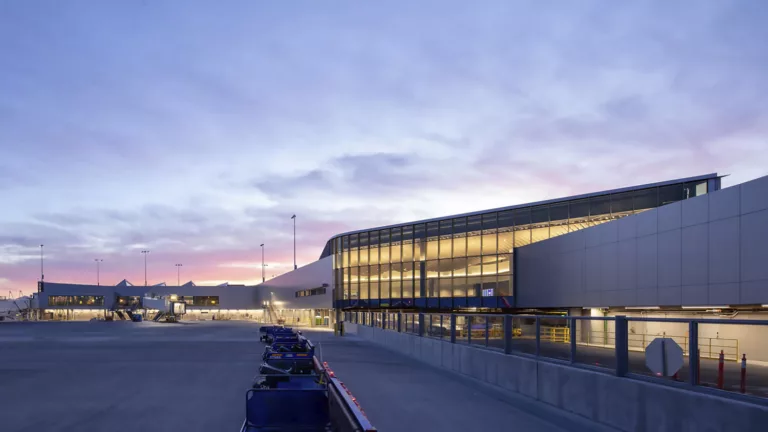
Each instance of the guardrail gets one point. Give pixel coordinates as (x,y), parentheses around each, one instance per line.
(709,348)
(606,343)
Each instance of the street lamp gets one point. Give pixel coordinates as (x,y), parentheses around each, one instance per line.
(178,274)
(42,275)
(145,252)
(294,241)
(98,261)
(263,279)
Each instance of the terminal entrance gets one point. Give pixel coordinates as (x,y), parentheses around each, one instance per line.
(301,317)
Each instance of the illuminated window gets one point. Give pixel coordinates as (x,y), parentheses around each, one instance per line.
(489,266)
(432,241)
(445,234)
(407,271)
(459,286)
(417,287)
(489,242)
(506,240)
(384,247)
(364,277)
(205,300)
(504,263)
(395,289)
(420,239)
(445,287)
(384,288)
(522,227)
(474,245)
(539,234)
(522,237)
(474,266)
(556,230)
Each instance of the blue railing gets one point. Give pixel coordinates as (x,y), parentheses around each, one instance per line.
(714,351)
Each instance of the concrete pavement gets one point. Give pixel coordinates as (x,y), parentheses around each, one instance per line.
(399,393)
(83,377)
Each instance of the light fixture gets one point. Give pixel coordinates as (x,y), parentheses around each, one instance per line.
(765,306)
(642,307)
(705,307)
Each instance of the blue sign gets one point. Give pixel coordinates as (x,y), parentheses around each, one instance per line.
(488,292)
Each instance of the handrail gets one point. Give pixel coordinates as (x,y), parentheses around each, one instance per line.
(520,331)
(348,407)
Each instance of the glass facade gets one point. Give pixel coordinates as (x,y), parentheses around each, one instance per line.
(205,300)
(83,301)
(468,261)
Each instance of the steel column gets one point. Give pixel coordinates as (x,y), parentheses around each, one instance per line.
(507,334)
(572,331)
(622,346)
(693,352)
(453,328)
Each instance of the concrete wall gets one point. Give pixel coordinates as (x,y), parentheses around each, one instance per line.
(623,403)
(707,250)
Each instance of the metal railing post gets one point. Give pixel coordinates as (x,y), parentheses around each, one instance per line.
(487,329)
(399,322)
(384,316)
(538,336)
(453,328)
(421,324)
(693,352)
(373,323)
(468,320)
(507,334)
(572,331)
(622,345)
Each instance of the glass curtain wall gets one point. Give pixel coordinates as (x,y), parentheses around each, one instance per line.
(471,256)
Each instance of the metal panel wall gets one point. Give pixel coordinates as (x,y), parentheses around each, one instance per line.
(707,250)
(283,288)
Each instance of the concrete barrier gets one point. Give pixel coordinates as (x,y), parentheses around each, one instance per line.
(622,403)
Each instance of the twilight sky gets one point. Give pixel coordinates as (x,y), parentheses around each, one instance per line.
(196,128)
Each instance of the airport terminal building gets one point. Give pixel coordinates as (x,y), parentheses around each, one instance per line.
(677,245)
(469,260)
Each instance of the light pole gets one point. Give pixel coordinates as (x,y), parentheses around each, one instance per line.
(178,274)
(42,275)
(98,261)
(145,252)
(294,241)
(263,279)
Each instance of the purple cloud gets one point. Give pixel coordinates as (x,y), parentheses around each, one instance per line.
(198,131)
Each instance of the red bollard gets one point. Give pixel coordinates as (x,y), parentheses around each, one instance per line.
(743,373)
(720,370)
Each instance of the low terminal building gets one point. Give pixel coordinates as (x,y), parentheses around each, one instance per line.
(300,298)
